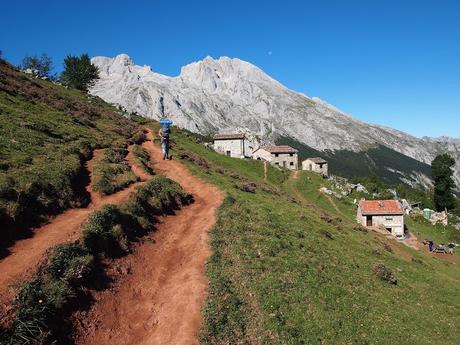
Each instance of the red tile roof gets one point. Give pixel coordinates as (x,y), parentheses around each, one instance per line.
(228,136)
(380,207)
(278,149)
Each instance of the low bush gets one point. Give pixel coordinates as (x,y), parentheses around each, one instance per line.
(138,137)
(249,187)
(381,271)
(98,233)
(42,301)
(70,262)
(112,173)
(143,159)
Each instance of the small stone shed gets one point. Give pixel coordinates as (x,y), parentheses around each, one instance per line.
(316,164)
(232,144)
(387,214)
(283,156)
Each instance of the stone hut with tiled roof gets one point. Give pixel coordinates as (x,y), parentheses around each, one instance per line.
(315,164)
(386,214)
(232,144)
(283,156)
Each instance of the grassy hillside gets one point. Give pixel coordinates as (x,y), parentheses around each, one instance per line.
(373,162)
(47,132)
(289,267)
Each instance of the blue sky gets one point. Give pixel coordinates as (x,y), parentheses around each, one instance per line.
(396,63)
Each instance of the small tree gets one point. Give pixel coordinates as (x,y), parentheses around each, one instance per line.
(41,66)
(79,72)
(443,182)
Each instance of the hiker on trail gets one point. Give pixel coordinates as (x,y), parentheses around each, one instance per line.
(164,133)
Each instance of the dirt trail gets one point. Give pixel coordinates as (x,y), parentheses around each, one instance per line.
(25,254)
(160,301)
(265,170)
(331,201)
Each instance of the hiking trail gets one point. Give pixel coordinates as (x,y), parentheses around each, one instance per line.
(25,255)
(160,299)
(265,170)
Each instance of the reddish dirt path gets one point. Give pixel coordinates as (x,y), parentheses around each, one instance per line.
(160,301)
(25,254)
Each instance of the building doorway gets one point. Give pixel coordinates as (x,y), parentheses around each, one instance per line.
(368,220)
(228,153)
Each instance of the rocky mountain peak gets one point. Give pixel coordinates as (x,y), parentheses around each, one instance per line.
(229,94)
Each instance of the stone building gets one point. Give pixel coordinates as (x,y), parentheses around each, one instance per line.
(316,164)
(232,145)
(387,214)
(283,156)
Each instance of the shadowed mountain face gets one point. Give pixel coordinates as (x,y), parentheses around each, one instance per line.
(231,94)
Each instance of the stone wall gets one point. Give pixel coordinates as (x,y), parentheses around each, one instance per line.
(286,160)
(235,146)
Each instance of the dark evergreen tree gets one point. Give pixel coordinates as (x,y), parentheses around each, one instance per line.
(79,72)
(443,182)
(41,66)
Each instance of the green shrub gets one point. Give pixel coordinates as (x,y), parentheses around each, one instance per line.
(138,137)
(98,234)
(111,173)
(143,159)
(115,155)
(70,262)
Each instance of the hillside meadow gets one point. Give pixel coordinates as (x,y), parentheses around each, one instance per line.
(289,267)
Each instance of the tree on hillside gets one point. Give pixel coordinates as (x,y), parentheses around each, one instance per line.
(79,72)
(40,66)
(443,182)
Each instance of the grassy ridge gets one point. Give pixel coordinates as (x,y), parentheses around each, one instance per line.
(60,283)
(286,272)
(143,158)
(47,132)
(111,172)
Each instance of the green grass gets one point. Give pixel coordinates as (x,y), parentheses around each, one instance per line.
(111,173)
(424,230)
(286,272)
(47,132)
(143,158)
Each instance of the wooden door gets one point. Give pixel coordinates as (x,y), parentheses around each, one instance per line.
(369,220)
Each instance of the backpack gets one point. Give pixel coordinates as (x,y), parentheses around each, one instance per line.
(165,133)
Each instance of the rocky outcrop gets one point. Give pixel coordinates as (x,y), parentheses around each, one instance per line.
(230,94)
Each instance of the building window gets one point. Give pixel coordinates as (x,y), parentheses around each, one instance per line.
(229,153)
(389,218)
(291,164)
(291,155)
(277,163)
(276,155)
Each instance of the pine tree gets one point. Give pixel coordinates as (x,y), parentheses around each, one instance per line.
(79,72)
(443,183)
